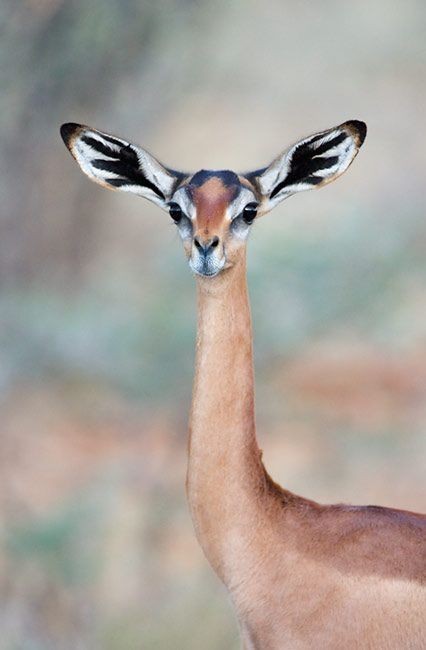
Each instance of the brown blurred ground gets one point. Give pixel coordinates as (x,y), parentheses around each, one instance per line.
(97,311)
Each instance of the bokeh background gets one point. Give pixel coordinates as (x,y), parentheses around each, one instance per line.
(97,313)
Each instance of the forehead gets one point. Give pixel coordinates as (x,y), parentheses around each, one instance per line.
(212,192)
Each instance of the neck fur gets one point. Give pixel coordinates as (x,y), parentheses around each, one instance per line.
(225,472)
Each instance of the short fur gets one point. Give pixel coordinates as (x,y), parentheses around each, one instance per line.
(301,575)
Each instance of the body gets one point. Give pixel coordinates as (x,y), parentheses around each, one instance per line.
(300,574)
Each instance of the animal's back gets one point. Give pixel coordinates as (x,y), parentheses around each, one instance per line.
(344,577)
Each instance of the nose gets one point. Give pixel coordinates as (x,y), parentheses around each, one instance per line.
(205,247)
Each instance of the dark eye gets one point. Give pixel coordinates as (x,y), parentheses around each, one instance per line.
(175,212)
(249,213)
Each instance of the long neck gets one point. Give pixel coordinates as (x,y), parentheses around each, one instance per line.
(225,473)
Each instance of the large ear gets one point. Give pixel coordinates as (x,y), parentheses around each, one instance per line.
(119,165)
(312,162)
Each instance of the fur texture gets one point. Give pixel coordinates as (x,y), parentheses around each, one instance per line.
(301,575)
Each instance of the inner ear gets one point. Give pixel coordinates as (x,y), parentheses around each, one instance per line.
(312,162)
(124,168)
(120,165)
(309,158)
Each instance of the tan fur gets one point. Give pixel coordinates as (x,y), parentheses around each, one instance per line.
(300,574)
(211,200)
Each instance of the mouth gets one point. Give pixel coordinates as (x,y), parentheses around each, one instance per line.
(206,274)
(206,268)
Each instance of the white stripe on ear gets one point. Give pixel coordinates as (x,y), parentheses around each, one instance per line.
(119,165)
(312,162)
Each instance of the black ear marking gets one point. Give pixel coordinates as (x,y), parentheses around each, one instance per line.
(325,146)
(100,147)
(67,130)
(129,155)
(360,129)
(115,163)
(314,161)
(126,167)
(303,165)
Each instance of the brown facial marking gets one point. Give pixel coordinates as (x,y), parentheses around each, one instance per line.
(211,200)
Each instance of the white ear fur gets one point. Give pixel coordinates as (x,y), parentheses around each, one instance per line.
(119,165)
(312,162)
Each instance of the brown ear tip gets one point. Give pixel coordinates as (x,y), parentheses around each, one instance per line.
(359,128)
(67,130)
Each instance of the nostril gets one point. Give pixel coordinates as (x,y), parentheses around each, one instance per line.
(205,247)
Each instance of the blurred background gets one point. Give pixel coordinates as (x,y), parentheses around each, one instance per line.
(97,313)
